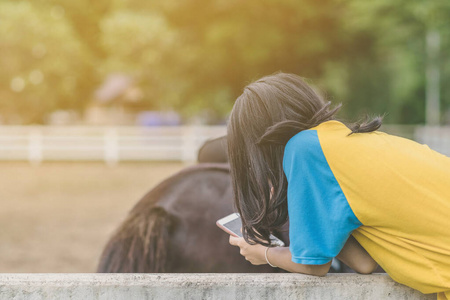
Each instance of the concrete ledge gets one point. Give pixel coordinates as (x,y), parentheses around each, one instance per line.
(203,286)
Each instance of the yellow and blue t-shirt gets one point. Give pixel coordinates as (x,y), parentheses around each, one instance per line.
(391,193)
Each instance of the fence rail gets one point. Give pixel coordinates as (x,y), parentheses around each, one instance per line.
(113,144)
(203,286)
(110,144)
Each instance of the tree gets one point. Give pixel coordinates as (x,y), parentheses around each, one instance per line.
(40,58)
(406,32)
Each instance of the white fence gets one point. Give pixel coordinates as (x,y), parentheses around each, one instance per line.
(110,144)
(113,144)
(437,138)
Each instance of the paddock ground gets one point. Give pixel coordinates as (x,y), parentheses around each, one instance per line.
(56,217)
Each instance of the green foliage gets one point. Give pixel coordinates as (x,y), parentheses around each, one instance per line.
(195,56)
(40,58)
(398,30)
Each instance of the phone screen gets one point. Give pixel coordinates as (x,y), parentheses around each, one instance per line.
(235,226)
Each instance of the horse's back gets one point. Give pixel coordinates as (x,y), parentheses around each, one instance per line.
(176,222)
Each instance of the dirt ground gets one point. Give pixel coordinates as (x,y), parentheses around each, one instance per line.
(57,217)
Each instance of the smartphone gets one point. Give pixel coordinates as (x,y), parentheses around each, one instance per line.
(232,224)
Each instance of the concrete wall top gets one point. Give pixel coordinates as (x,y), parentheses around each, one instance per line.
(203,286)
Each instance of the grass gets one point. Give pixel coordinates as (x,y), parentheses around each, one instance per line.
(57,217)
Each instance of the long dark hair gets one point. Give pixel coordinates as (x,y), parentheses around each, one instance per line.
(268,113)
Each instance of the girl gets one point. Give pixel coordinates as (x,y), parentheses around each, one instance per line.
(349,192)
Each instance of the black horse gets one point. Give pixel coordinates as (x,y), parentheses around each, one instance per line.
(172,228)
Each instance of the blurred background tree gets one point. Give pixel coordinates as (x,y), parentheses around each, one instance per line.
(42,61)
(405,32)
(195,56)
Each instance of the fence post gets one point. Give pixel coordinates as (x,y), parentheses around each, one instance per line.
(188,144)
(111,147)
(35,146)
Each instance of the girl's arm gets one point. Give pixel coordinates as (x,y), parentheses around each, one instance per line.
(352,254)
(278,256)
(281,257)
(356,257)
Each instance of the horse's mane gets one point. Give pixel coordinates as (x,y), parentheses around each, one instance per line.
(141,241)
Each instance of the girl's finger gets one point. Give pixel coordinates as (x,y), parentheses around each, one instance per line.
(234,240)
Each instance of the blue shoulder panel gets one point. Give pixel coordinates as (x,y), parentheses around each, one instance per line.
(320,217)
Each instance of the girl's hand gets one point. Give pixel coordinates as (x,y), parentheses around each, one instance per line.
(278,256)
(252,253)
